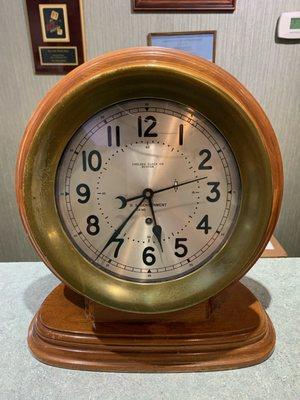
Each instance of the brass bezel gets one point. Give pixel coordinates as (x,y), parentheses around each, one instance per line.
(159,73)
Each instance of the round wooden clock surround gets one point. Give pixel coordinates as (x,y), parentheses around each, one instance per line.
(115,309)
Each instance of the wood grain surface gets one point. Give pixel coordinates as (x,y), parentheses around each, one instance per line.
(238,334)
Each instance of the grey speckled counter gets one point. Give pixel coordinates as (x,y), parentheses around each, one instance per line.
(23,286)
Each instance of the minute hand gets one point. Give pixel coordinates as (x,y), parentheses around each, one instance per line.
(180,184)
(125,201)
(116,233)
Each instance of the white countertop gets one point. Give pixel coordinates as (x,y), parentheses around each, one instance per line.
(23,287)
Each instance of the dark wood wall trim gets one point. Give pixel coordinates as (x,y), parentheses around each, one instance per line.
(184,5)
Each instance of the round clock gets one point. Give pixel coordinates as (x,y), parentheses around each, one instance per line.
(149,180)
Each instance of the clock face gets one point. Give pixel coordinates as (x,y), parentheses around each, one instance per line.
(148,190)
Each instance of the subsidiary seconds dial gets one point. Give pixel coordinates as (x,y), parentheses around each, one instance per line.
(148,190)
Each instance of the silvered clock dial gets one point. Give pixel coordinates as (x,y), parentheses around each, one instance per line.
(148,190)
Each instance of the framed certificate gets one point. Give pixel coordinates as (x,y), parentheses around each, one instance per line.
(201,43)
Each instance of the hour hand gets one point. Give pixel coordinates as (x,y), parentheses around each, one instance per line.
(157,233)
(114,237)
(157,230)
(123,200)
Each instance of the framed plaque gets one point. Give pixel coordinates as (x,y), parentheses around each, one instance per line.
(184,5)
(200,43)
(56,29)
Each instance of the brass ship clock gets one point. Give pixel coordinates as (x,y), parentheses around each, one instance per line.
(149,181)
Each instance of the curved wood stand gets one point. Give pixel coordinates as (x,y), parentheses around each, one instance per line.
(230,331)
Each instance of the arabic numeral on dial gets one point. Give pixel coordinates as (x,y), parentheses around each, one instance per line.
(83,191)
(117,135)
(178,245)
(93,227)
(147,132)
(148,257)
(180,135)
(215,191)
(203,224)
(120,241)
(207,156)
(91,160)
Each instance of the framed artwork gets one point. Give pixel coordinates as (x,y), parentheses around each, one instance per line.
(54,22)
(57,35)
(200,43)
(184,5)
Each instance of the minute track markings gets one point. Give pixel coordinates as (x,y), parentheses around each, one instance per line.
(166,111)
(201,129)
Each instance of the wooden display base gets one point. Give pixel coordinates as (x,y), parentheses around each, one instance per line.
(230,331)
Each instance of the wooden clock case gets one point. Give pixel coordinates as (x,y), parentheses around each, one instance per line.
(205,324)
